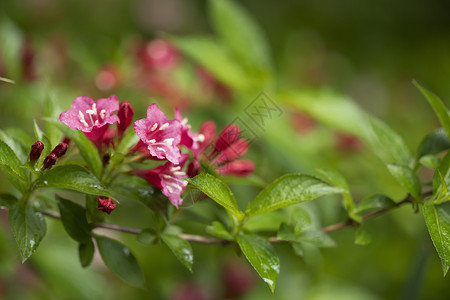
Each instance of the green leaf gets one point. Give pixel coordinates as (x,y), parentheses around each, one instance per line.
(376,201)
(438,106)
(362,238)
(262,256)
(14,178)
(433,143)
(386,143)
(288,190)
(73,217)
(7,201)
(87,149)
(216,59)
(72,177)
(147,237)
(217,229)
(129,139)
(318,239)
(11,40)
(300,219)
(217,190)
(430,161)
(119,259)
(51,112)
(86,252)
(339,181)
(40,136)
(10,159)
(16,146)
(242,35)
(407,178)
(28,227)
(438,224)
(180,248)
(92,213)
(444,169)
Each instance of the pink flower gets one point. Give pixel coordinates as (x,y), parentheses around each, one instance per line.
(168,178)
(161,136)
(86,115)
(189,138)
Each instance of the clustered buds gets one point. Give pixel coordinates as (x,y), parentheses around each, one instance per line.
(106,205)
(50,161)
(36,151)
(60,149)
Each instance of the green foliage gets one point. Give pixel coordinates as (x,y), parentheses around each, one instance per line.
(28,227)
(217,229)
(433,143)
(72,177)
(73,217)
(86,252)
(180,248)
(119,259)
(407,178)
(373,202)
(288,190)
(147,237)
(262,256)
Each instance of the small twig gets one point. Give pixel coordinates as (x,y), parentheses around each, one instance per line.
(222,242)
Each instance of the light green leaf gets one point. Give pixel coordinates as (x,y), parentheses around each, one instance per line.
(87,149)
(73,217)
(442,195)
(180,248)
(40,136)
(217,190)
(444,169)
(119,259)
(93,215)
(72,177)
(51,112)
(28,227)
(313,237)
(288,190)
(147,237)
(407,178)
(262,256)
(15,179)
(10,159)
(438,223)
(216,59)
(217,229)
(129,139)
(430,161)
(16,146)
(86,253)
(438,106)
(11,41)
(362,238)
(433,143)
(242,35)
(376,201)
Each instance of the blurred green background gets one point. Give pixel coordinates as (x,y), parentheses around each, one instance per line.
(368,51)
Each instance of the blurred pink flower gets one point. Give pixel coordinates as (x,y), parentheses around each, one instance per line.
(161,136)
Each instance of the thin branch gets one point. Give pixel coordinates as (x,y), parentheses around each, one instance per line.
(222,242)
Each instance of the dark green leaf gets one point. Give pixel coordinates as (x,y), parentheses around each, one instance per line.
(362,238)
(86,253)
(438,106)
(119,259)
(87,149)
(9,158)
(73,217)
(72,177)
(435,142)
(407,178)
(7,200)
(438,224)
(14,178)
(28,227)
(147,237)
(262,256)
(288,190)
(216,59)
(217,229)
(16,146)
(180,248)
(217,190)
(92,213)
(377,201)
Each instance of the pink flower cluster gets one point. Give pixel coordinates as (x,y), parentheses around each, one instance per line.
(160,139)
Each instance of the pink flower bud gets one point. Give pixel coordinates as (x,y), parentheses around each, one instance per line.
(36,151)
(50,160)
(106,205)
(208,130)
(60,149)
(193,168)
(241,167)
(237,149)
(125,114)
(228,136)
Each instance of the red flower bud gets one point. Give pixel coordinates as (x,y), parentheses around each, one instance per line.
(125,114)
(60,149)
(241,167)
(237,149)
(228,136)
(106,205)
(208,129)
(106,159)
(50,160)
(36,151)
(194,168)
(66,140)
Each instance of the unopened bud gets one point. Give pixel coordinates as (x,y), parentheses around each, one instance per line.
(106,205)
(194,168)
(125,115)
(36,151)
(50,160)
(228,136)
(66,140)
(106,159)
(60,149)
